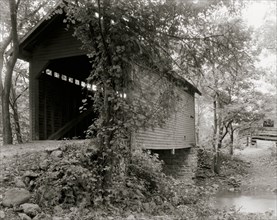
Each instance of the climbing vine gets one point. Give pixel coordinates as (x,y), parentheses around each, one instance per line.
(134,47)
(121,53)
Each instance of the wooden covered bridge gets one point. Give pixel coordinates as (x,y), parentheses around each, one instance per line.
(264,134)
(58,74)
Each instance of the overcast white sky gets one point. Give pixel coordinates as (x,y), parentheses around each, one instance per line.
(255,15)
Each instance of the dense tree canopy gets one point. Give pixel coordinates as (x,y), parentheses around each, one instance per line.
(244,98)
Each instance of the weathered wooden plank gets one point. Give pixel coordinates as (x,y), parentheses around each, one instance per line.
(58,44)
(179,130)
(265,138)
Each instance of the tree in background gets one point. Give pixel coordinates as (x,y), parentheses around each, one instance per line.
(16,19)
(266,38)
(19,103)
(6,86)
(223,72)
(235,88)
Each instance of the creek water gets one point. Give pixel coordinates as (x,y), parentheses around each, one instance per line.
(247,203)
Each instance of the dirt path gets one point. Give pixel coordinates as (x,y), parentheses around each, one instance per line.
(18,149)
(262,176)
(12,150)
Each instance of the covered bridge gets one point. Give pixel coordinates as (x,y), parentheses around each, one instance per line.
(57,77)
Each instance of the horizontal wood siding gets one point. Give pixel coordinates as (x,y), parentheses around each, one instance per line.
(179,130)
(57,43)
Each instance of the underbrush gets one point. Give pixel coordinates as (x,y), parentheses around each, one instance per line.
(233,165)
(74,180)
(229,164)
(67,183)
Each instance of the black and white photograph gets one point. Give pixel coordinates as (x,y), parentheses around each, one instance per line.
(138,109)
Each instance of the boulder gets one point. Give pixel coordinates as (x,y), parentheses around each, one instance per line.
(56,154)
(30,209)
(215,186)
(44,164)
(18,182)
(60,218)
(16,196)
(57,209)
(2,214)
(131,217)
(30,174)
(42,216)
(34,167)
(31,183)
(23,216)
(146,206)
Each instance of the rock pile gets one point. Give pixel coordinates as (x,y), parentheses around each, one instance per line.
(17,198)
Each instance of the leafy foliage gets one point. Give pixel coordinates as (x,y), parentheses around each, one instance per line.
(128,39)
(75,181)
(230,165)
(143,192)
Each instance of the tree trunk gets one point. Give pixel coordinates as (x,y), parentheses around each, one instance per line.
(7,130)
(14,108)
(215,139)
(220,126)
(197,136)
(232,141)
(106,114)
(5,94)
(7,135)
(107,180)
(215,126)
(220,136)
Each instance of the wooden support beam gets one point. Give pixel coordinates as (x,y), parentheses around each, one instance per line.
(265,138)
(68,126)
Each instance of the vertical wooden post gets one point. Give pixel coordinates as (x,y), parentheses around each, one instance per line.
(36,68)
(45,109)
(34,101)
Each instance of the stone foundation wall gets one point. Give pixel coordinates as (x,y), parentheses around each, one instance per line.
(181,164)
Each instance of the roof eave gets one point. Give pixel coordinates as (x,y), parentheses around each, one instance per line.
(35,31)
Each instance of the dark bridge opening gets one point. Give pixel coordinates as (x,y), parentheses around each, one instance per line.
(65,99)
